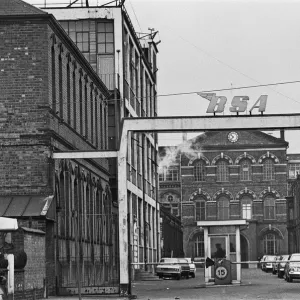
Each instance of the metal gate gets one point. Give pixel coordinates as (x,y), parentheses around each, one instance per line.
(90,260)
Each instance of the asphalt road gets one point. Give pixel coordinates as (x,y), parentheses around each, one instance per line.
(256,284)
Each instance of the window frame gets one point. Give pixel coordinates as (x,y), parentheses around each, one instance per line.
(224,209)
(245,176)
(201,215)
(199,170)
(269,210)
(268,169)
(222,170)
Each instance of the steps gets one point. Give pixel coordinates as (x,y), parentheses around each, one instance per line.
(142,275)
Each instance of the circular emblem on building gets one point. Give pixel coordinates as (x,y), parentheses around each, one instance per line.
(233,137)
(221,272)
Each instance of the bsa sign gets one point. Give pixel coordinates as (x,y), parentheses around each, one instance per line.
(238,103)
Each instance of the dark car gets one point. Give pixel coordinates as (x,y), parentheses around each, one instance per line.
(281,264)
(292,268)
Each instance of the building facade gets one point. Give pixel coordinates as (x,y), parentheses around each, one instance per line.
(228,176)
(172,234)
(127,64)
(52,100)
(293,207)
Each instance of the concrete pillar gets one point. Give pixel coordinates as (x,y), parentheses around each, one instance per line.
(125,289)
(207,271)
(238,253)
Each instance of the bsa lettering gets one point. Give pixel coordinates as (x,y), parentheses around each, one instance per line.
(238,103)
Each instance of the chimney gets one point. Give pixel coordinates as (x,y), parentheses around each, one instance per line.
(282,134)
(184,137)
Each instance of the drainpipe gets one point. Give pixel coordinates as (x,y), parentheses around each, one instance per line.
(144,199)
(156,201)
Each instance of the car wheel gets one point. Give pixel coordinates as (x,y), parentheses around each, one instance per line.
(193,275)
(178,277)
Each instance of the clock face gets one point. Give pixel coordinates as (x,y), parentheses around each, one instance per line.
(233,137)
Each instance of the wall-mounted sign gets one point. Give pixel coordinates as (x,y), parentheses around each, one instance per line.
(238,103)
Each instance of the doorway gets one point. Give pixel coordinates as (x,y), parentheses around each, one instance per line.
(244,252)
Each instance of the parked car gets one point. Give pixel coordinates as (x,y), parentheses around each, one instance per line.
(281,264)
(267,263)
(292,267)
(192,267)
(275,264)
(173,267)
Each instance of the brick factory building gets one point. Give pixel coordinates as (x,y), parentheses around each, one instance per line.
(219,176)
(126,61)
(52,100)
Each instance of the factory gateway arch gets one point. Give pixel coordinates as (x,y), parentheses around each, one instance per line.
(172,124)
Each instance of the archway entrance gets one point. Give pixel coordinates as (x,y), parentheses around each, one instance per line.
(244,251)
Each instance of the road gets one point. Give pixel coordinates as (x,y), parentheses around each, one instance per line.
(256,284)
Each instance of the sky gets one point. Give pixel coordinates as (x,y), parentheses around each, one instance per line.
(212,45)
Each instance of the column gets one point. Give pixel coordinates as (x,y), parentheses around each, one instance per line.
(238,254)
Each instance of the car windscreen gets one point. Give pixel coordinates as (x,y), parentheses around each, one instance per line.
(295,258)
(270,258)
(169,260)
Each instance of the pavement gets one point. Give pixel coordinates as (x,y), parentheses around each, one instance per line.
(256,285)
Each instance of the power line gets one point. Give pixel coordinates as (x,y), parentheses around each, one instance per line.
(233,88)
(225,64)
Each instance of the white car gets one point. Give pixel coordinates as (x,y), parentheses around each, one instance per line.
(173,267)
(192,267)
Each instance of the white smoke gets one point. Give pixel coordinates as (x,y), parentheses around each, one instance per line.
(172,154)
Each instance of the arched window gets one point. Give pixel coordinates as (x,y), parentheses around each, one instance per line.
(245,170)
(268,169)
(270,244)
(170,198)
(246,208)
(200,209)
(199,246)
(269,208)
(222,170)
(199,170)
(223,208)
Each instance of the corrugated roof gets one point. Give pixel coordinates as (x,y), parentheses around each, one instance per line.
(24,205)
(18,7)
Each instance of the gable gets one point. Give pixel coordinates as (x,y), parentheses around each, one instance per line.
(239,139)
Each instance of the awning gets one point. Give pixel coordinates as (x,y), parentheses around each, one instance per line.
(8,224)
(26,206)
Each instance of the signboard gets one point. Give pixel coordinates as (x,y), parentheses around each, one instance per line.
(238,103)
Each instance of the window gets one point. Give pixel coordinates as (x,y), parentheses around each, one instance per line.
(270,244)
(199,170)
(269,208)
(268,169)
(222,171)
(170,198)
(294,170)
(174,209)
(245,170)
(169,174)
(200,210)
(246,205)
(199,246)
(105,37)
(223,208)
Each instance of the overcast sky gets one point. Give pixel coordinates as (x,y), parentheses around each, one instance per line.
(208,45)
